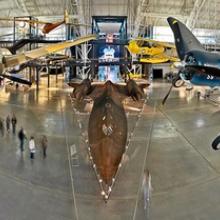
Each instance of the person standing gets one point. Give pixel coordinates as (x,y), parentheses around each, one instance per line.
(2,126)
(13,123)
(8,123)
(44,145)
(22,137)
(147,188)
(32,147)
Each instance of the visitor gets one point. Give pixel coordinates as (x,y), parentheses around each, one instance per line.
(8,120)
(44,145)
(13,123)
(2,127)
(32,147)
(22,137)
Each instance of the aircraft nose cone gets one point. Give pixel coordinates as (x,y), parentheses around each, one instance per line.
(108,173)
(108,83)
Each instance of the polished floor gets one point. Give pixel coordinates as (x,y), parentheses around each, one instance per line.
(173,142)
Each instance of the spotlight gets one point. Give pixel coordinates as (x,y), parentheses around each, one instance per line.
(22,24)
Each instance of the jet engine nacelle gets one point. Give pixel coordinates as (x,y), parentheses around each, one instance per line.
(80,90)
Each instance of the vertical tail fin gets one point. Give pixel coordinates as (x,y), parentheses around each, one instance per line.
(184,38)
(66,17)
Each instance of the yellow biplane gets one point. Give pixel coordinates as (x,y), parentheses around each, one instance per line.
(152,51)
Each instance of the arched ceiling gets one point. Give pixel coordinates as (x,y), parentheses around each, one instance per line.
(196,13)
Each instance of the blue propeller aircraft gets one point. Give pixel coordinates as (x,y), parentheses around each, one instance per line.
(200,67)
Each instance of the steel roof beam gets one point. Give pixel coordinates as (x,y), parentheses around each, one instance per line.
(21,4)
(76,11)
(162,15)
(139,17)
(193,17)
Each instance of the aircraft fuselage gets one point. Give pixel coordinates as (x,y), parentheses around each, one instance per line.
(107,133)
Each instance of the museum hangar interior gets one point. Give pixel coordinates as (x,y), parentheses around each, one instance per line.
(109,110)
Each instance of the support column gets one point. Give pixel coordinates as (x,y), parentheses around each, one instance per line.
(38,76)
(48,76)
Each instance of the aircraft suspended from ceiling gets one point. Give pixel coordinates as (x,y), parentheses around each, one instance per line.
(199,67)
(18,59)
(152,51)
(47,26)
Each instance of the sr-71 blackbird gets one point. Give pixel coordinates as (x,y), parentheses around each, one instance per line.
(200,67)
(107,129)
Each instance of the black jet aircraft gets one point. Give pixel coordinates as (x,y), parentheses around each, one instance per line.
(22,42)
(200,67)
(107,128)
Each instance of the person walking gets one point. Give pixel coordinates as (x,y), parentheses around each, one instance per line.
(32,147)
(8,120)
(2,129)
(22,137)
(13,123)
(147,188)
(44,145)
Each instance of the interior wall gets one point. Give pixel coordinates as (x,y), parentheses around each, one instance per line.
(166,67)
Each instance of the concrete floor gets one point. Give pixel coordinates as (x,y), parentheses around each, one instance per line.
(173,142)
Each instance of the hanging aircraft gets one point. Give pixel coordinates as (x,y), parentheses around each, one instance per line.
(47,26)
(107,127)
(13,60)
(199,67)
(22,42)
(152,51)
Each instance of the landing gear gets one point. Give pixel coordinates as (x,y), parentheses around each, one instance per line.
(189,87)
(215,143)
(177,82)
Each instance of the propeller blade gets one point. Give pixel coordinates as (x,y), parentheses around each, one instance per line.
(173,85)
(16,79)
(167,95)
(215,143)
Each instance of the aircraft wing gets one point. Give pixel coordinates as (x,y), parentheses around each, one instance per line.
(164,44)
(149,47)
(159,59)
(159,43)
(36,53)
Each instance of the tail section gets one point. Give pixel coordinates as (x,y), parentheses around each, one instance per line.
(66,17)
(184,38)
